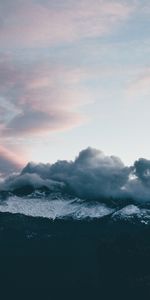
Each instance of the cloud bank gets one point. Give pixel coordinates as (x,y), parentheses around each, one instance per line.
(92,176)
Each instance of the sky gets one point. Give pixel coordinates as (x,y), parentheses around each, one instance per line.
(73,74)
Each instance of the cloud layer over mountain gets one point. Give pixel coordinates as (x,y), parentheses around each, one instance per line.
(92,175)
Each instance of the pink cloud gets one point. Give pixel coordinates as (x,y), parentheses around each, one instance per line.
(29,23)
(40,98)
(9,162)
(36,122)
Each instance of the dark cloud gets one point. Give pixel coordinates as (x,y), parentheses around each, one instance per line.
(92,175)
(142,171)
(34,181)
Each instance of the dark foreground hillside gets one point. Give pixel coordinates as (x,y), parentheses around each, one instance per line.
(99,259)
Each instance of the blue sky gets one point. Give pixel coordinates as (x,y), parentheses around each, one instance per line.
(74,74)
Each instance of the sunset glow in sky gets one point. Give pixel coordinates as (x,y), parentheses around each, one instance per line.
(74,74)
